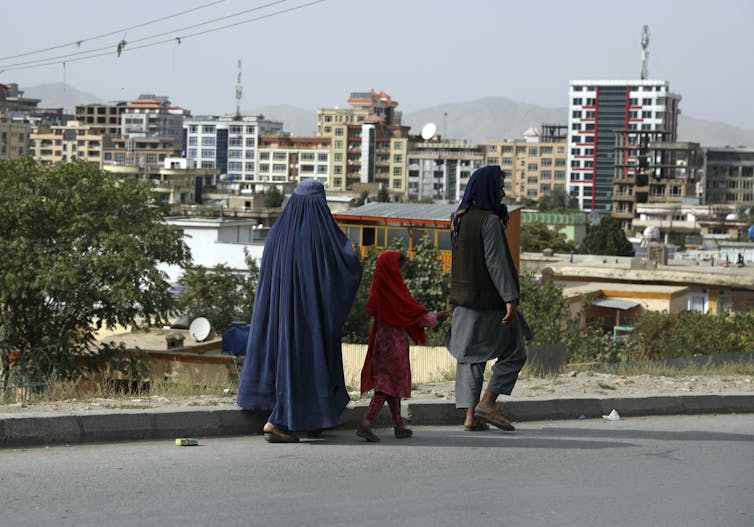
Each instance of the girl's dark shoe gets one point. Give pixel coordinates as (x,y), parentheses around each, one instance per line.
(366,433)
(402,433)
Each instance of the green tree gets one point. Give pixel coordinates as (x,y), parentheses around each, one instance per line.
(217,294)
(357,327)
(606,238)
(429,284)
(81,249)
(273,198)
(383,196)
(537,236)
(358,202)
(556,201)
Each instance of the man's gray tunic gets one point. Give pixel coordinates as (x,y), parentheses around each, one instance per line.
(478,335)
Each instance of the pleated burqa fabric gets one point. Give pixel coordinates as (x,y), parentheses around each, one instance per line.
(307,282)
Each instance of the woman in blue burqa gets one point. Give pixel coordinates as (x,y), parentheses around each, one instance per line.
(307,282)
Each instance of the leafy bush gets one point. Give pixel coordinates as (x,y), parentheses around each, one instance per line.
(670,335)
(545,310)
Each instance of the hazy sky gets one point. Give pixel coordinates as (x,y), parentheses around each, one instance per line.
(421,52)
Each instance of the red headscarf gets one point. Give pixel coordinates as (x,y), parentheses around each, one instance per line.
(391,303)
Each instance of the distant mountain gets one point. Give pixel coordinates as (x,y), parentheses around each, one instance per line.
(713,133)
(478,121)
(483,120)
(60,95)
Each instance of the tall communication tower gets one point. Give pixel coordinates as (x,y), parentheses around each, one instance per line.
(239,93)
(644,51)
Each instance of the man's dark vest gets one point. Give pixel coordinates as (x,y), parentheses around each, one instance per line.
(470,282)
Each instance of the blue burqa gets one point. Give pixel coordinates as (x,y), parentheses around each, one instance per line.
(307,282)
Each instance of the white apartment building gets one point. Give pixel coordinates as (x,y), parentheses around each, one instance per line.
(152,116)
(228,144)
(596,110)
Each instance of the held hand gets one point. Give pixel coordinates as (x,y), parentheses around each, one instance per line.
(510,314)
(442,316)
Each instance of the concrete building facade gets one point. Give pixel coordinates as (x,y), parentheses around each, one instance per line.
(230,145)
(533,165)
(439,170)
(55,143)
(14,138)
(728,176)
(107,116)
(285,161)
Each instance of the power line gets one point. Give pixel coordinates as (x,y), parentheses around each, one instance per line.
(117,31)
(179,39)
(123,43)
(121,46)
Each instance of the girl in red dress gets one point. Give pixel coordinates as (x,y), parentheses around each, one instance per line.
(396,316)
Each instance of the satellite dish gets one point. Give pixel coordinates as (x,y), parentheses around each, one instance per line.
(199,329)
(428,131)
(651,233)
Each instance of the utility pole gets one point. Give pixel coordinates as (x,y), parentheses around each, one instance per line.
(644,52)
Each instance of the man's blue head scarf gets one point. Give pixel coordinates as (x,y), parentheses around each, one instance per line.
(483,192)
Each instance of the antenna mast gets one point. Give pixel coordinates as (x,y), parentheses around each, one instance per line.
(644,51)
(239,93)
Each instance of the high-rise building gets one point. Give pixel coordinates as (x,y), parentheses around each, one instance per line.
(228,144)
(596,110)
(369,144)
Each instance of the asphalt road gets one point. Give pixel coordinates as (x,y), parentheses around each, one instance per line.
(655,471)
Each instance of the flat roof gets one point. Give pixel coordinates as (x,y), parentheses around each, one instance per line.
(614,304)
(418,212)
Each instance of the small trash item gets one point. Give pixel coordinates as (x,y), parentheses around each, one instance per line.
(612,416)
(186,441)
(582,416)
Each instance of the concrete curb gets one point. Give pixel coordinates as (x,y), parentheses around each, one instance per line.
(169,423)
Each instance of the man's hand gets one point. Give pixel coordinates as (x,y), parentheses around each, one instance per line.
(510,314)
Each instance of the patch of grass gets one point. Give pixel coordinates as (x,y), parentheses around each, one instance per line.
(606,386)
(687,370)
